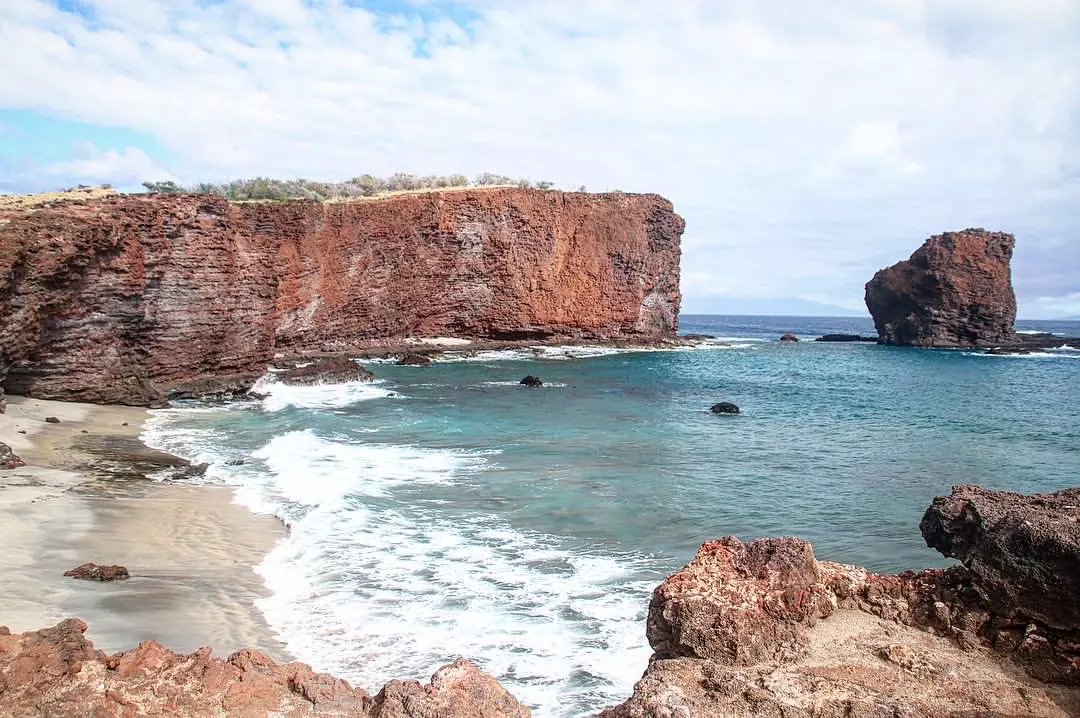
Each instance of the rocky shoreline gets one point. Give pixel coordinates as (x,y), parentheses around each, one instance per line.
(744,629)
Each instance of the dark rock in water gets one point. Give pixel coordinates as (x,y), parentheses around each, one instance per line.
(531,380)
(1023,552)
(235,462)
(51,420)
(326,370)
(221,388)
(696,337)
(845,338)
(789,338)
(954,291)
(93,572)
(8,459)
(1007,351)
(724,407)
(414,360)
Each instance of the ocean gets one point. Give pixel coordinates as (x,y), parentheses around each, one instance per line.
(447,511)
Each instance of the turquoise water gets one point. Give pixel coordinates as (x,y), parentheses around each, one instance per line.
(446,510)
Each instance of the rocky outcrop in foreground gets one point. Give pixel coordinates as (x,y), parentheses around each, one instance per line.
(764,629)
(954,291)
(57,672)
(131,299)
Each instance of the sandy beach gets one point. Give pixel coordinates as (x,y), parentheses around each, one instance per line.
(84,496)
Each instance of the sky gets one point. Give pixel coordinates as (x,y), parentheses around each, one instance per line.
(808,143)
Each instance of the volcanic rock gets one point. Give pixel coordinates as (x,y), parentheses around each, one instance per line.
(128,298)
(1023,552)
(325,370)
(724,407)
(954,291)
(57,672)
(52,420)
(8,459)
(789,338)
(845,338)
(763,628)
(414,360)
(739,604)
(531,381)
(93,572)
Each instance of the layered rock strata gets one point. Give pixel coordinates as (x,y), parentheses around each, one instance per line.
(765,629)
(126,298)
(954,291)
(57,672)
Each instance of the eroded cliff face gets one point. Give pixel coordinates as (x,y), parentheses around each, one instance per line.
(123,298)
(954,291)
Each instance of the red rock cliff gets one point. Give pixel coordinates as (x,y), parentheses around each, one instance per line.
(118,299)
(953,291)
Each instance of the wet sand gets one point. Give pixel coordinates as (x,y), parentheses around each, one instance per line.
(84,496)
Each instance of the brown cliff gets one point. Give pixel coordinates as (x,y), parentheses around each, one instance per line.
(954,291)
(123,298)
(57,672)
(765,629)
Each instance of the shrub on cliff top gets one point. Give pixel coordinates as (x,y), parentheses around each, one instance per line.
(265,188)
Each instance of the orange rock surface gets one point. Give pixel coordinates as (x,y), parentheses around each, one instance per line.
(121,298)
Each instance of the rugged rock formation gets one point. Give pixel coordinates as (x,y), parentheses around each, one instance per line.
(325,370)
(789,338)
(1023,554)
(531,381)
(57,672)
(127,298)
(954,291)
(8,459)
(413,359)
(93,572)
(765,629)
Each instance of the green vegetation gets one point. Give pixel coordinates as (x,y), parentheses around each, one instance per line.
(265,188)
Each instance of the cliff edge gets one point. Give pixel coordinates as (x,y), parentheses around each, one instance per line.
(123,298)
(954,291)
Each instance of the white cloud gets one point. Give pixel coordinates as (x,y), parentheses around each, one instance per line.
(124,168)
(1063,306)
(807,145)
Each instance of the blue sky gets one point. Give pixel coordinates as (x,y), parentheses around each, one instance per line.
(807,145)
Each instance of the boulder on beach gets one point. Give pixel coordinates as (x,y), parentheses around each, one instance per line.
(531,381)
(413,359)
(93,572)
(325,370)
(724,407)
(789,338)
(8,459)
(52,420)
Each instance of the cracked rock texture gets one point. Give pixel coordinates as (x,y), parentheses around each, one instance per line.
(954,291)
(57,672)
(130,298)
(765,629)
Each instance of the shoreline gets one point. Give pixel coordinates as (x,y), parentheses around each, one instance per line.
(84,496)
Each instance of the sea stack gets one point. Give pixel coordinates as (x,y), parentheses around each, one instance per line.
(954,291)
